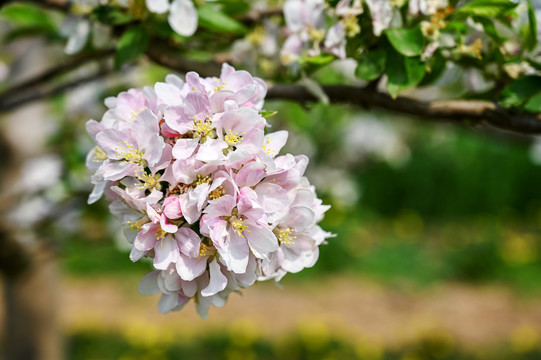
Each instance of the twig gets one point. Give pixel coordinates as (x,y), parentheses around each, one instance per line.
(40,93)
(56,71)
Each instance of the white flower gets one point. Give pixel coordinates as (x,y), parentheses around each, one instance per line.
(182,14)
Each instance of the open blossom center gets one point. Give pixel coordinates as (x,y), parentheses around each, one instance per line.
(149,181)
(205,250)
(160,234)
(284,236)
(220,87)
(217,193)
(201,180)
(99,155)
(233,139)
(137,225)
(130,154)
(239,225)
(202,127)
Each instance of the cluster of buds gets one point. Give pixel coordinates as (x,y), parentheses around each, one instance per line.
(200,189)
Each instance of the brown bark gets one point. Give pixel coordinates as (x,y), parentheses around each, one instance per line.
(32,329)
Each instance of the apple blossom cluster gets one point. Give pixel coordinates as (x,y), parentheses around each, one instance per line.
(201,190)
(314,27)
(307,33)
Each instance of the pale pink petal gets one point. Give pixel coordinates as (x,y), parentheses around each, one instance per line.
(217,280)
(184,148)
(165,252)
(188,241)
(188,268)
(149,284)
(262,241)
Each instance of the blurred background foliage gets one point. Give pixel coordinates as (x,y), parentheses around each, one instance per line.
(414,206)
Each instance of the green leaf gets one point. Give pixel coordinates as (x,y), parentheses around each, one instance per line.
(403,72)
(268,114)
(27,15)
(131,45)
(371,65)
(110,16)
(519,91)
(534,104)
(434,68)
(316,60)
(217,21)
(530,40)
(232,7)
(489,27)
(487,8)
(409,42)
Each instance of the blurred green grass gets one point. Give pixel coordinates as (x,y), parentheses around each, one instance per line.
(307,343)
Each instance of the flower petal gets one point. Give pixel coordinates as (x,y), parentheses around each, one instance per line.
(149,284)
(183,17)
(217,280)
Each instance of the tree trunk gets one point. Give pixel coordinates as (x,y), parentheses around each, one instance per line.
(32,328)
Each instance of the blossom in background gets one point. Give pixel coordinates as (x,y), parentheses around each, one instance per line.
(202,190)
(78,26)
(182,14)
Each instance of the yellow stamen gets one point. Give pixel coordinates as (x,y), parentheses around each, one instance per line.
(136,113)
(205,250)
(201,180)
(217,193)
(239,225)
(268,149)
(284,236)
(137,225)
(220,87)
(316,35)
(149,181)
(233,139)
(202,127)
(351,26)
(99,155)
(130,154)
(160,234)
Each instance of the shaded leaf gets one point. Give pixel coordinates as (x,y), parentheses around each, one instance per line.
(268,114)
(520,90)
(27,15)
(530,40)
(534,104)
(409,42)
(371,65)
(217,21)
(403,72)
(131,45)
(110,16)
(316,60)
(487,8)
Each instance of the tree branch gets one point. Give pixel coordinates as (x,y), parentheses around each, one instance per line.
(50,74)
(40,93)
(466,112)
